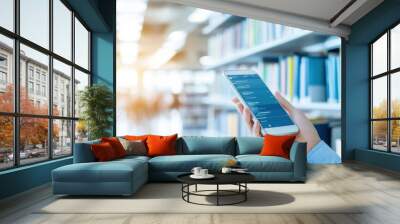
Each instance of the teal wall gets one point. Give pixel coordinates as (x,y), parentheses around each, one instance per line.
(24,178)
(103,52)
(99,15)
(356,102)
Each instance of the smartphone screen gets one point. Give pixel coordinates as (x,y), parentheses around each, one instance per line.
(260,100)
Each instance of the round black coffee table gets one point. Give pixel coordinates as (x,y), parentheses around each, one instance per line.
(238,179)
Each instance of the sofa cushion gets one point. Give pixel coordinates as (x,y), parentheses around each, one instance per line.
(116,145)
(185,163)
(249,145)
(277,145)
(103,152)
(112,171)
(136,147)
(257,163)
(195,145)
(161,145)
(83,152)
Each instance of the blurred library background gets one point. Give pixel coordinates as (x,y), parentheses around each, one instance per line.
(170,60)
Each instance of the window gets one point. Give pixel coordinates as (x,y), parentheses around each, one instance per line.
(6,142)
(3,78)
(81,82)
(62,74)
(7,14)
(385,95)
(81,45)
(62,137)
(6,72)
(30,87)
(35,21)
(44,91)
(3,61)
(37,90)
(30,72)
(46,76)
(62,29)
(33,143)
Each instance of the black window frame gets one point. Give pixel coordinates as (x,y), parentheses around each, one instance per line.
(16,114)
(388,74)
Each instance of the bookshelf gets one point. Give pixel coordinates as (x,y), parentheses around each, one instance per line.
(294,43)
(241,43)
(219,22)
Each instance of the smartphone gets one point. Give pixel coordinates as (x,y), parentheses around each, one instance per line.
(254,94)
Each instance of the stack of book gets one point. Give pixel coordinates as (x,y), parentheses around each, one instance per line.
(304,78)
(246,34)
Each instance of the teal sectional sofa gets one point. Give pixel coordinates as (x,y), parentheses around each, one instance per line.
(125,176)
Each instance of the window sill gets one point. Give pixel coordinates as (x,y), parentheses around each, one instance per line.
(25,167)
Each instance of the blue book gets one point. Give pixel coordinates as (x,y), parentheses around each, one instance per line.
(316,79)
(296,77)
(338,79)
(330,78)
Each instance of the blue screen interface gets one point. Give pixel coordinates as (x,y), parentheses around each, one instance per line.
(260,100)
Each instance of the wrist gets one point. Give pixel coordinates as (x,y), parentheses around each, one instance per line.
(312,143)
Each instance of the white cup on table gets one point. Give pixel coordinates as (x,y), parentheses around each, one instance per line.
(196,171)
(203,172)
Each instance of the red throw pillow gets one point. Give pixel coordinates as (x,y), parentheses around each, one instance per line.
(136,137)
(103,152)
(116,145)
(277,145)
(161,145)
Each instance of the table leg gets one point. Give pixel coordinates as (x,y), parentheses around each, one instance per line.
(195,188)
(217,194)
(245,193)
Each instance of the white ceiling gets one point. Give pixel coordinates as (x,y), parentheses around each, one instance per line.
(315,15)
(321,9)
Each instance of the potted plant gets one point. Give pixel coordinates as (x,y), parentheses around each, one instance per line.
(96,103)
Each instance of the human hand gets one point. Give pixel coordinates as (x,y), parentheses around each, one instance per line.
(307,132)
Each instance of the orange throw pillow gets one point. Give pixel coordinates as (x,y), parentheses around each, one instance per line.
(136,137)
(103,152)
(277,145)
(161,145)
(116,145)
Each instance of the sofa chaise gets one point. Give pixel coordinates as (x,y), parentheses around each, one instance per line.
(125,176)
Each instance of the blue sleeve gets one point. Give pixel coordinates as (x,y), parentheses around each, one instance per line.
(322,154)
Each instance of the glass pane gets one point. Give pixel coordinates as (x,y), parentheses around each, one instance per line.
(62,89)
(34,79)
(395,47)
(62,29)
(6,142)
(6,74)
(379,55)
(7,14)
(35,21)
(33,139)
(379,98)
(81,45)
(62,138)
(81,81)
(395,135)
(395,94)
(379,135)
(81,131)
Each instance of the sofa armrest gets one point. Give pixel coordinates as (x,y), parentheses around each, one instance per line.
(298,155)
(83,152)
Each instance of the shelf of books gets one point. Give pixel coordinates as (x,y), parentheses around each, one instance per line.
(302,65)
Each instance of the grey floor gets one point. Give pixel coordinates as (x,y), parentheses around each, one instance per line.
(377,188)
